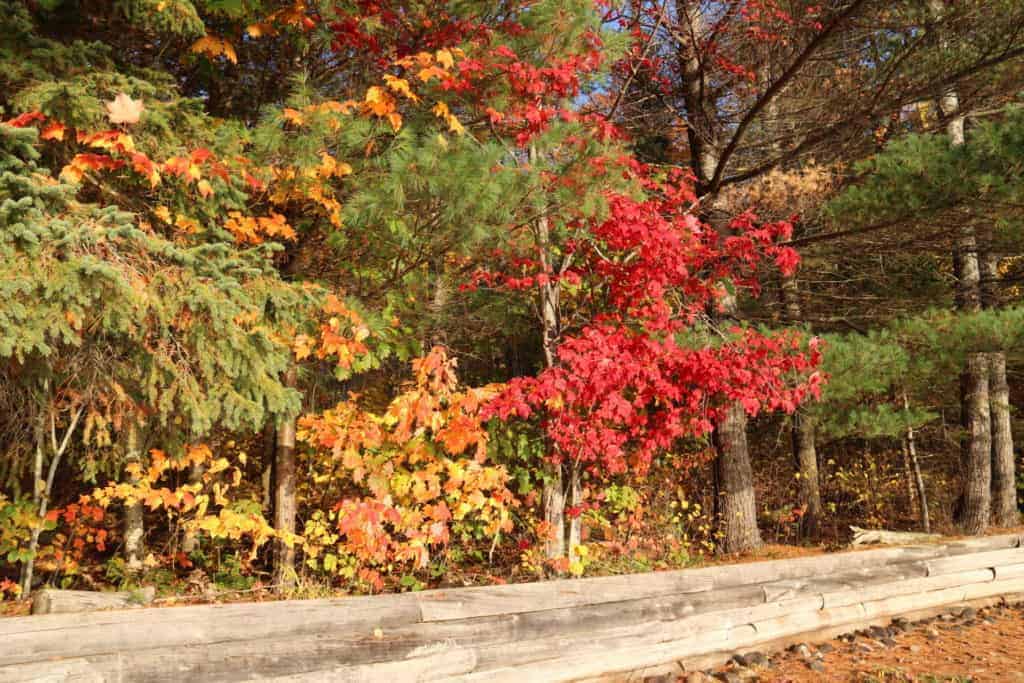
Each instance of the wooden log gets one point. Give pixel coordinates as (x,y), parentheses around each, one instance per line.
(597,657)
(54,601)
(480,601)
(464,603)
(102,669)
(1009,571)
(981,560)
(442,664)
(1008,587)
(27,639)
(885,537)
(847,580)
(889,589)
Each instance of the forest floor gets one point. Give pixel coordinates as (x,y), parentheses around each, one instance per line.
(965,644)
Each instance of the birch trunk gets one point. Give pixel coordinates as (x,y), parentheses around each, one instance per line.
(554,493)
(42,489)
(915,471)
(284,496)
(134,522)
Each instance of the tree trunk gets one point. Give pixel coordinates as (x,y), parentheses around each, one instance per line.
(267,464)
(553,498)
(190,540)
(39,501)
(807,470)
(575,498)
(975,501)
(134,522)
(737,508)
(42,489)
(284,496)
(805,453)
(915,472)
(1004,475)
(553,495)
(974,378)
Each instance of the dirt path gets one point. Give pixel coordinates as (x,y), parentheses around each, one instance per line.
(966,645)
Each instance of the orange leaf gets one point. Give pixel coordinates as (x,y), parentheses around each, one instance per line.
(54,131)
(212,46)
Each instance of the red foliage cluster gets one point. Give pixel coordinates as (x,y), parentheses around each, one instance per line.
(652,368)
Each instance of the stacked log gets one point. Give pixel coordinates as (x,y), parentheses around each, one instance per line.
(551,631)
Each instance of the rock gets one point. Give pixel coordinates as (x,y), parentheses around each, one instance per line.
(878,633)
(803,651)
(968,613)
(931,633)
(816,666)
(755,659)
(698,677)
(663,678)
(864,647)
(729,677)
(915,648)
(825,648)
(889,642)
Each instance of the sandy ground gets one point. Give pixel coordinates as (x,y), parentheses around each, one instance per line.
(978,645)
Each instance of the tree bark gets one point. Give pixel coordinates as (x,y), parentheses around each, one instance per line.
(736,506)
(284,496)
(576,522)
(976,463)
(805,453)
(553,498)
(1004,475)
(134,521)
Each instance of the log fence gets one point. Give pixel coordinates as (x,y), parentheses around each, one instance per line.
(598,628)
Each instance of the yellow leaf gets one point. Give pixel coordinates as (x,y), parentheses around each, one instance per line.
(455,126)
(400,85)
(72,174)
(204,187)
(445,59)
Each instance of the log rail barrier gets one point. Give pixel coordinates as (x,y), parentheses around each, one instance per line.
(607,628)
